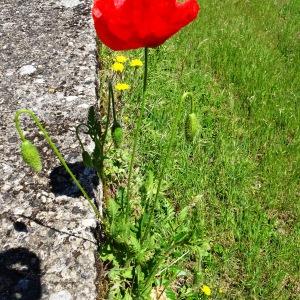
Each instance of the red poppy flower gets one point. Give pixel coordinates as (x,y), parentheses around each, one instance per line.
(130,24)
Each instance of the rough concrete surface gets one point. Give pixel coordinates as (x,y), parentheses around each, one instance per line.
(47,64)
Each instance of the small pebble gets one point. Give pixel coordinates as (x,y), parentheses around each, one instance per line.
(27,70)
(62,295)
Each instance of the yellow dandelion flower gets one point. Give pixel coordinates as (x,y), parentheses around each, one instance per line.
(206,290)
(122,86)
(117,67)
(121,59)
(136,63)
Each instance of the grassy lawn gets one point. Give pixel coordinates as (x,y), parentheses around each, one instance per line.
(241,60)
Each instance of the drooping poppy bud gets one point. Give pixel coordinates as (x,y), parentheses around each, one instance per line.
(31,155)
(117,135)
(131,24)
(192,127)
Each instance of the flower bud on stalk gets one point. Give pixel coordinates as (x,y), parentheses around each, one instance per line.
(117,135)
(31,155)
(192,127)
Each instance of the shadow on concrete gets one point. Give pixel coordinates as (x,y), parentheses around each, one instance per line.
(20,227)
(20,275)
(62,184)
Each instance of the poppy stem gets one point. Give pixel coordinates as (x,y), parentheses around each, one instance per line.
(138,127)
(145,71)
(112,99)
(110,95)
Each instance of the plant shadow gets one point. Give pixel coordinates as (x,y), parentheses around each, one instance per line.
(20,275)
(62,184)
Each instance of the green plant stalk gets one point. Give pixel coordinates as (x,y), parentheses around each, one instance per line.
(111,96)
(55,150)
(164,166)
(173,263)
(138,126)
(101,142)
(136,280)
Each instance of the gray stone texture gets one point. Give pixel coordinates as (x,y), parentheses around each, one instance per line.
(47,64)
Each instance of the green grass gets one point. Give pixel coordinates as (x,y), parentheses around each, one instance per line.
(241,61)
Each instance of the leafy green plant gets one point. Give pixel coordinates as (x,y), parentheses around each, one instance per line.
(146,238)
(137,259)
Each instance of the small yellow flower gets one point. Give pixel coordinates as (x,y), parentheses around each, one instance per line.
(136,63)
(122,86)
(121,59)
(118,67)
(206,290)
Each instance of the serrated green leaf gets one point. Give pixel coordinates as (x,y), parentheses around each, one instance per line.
(91,117)
(127,273)
(170,294)
(93,123)
(149,183)
(175,270)
(127,296)
(87,159)
(112,208)
(181,236)
(183,215)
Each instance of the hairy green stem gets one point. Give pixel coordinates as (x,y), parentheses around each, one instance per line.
(55,150)
(173,263)
(100,168)
(139,124)
(145,71)
(18,125)
(111,93)
(110,96)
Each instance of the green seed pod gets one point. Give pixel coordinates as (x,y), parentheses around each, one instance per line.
(31,155)
(117,135)
(192,127)
(87,160)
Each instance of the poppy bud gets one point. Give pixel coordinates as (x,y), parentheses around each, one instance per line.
(31,155)
(192,127)
(117,135)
